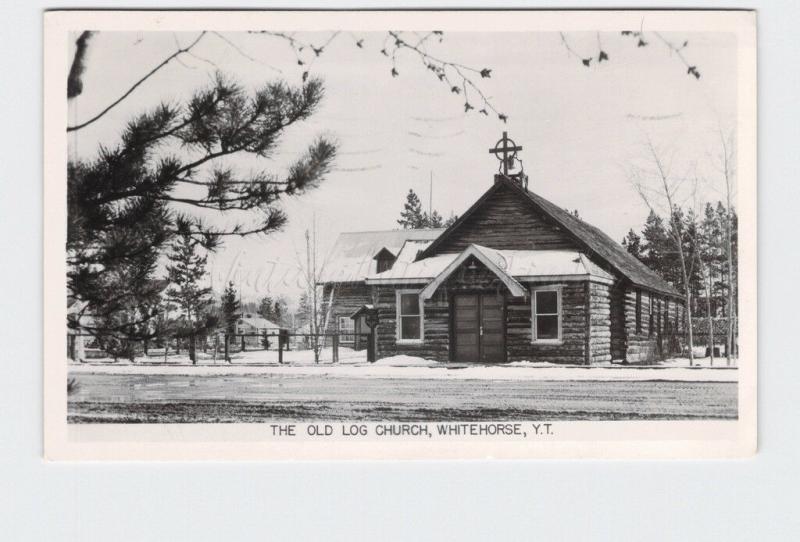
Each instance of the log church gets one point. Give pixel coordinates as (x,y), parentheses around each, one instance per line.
(516,277)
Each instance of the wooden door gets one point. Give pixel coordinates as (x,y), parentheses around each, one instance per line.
(492,332)
(479,328)
(467,327)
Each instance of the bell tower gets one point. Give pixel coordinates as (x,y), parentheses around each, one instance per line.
(511,166)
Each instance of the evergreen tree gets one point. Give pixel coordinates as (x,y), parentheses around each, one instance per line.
(433,220)
(230,315)
(656,245)
(279,311)
(727,283)
(303,310)
(633,244)
(266,308)
(688,233)
(121,205)
(186,269)
(450,221)
(412,217)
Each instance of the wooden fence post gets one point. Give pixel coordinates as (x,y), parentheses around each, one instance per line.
(336,348)
(371,345)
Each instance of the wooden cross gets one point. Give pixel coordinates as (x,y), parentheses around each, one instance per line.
(507,151)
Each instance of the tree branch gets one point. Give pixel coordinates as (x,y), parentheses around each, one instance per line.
(136,85)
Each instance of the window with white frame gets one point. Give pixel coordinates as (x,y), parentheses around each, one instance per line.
(347,328)
(546,315)
(409,316)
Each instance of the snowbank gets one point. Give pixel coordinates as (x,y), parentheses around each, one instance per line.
(405,361)
(399,367)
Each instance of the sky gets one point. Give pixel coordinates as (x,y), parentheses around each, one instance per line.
(582,129)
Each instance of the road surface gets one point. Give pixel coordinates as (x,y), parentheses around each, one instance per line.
(270,397)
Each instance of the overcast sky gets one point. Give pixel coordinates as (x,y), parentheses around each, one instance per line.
(580,127)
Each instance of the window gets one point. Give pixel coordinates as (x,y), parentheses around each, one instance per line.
(346,329)
(546,315)
(650,315)
(409,317)
(384,263)
(638,311)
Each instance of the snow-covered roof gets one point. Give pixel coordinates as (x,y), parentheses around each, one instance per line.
(520,264)
(352,257)
(421,271)
(258,322)
(491,258)
(411,249)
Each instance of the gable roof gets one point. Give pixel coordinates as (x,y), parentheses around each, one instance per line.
(352,256)
(489,257)
(596,242)
(525,265)
(257,322)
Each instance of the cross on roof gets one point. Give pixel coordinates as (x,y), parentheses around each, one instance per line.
(508,151)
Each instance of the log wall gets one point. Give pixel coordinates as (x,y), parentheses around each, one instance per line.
(617,328)
(347,297)
(599,305)
(505,222)
(598,320)
(661,333)
(573,346)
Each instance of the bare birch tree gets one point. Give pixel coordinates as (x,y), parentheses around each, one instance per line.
(318,308)
(658,188)
(728,172)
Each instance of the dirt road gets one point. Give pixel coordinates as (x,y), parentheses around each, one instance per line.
(267,398)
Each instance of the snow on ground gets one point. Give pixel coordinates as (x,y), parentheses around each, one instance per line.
(354,365)
(260,357)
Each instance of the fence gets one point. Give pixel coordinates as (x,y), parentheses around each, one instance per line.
(284,346)
(702,337)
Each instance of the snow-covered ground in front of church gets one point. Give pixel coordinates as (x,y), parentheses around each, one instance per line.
(353,364)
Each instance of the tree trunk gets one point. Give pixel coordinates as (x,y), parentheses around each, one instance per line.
(192,349)
(227,353)
(710,319)
(687,291)
(731,296)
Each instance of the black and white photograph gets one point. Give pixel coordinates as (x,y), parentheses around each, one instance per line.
(324,230)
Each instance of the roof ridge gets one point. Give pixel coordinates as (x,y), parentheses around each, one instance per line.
(392,230)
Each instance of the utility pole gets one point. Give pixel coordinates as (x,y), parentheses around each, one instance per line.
(430,196)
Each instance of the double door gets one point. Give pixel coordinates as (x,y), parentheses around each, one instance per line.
(479,328)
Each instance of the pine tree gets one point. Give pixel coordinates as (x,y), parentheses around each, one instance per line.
(710,249)
(412,217)
(186,270)
(433,220)
(450,221)
(688,233)
(126,206)
(656,245)
(266,308)
(633,244)
(303,310)
(279,311)
(230,315)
